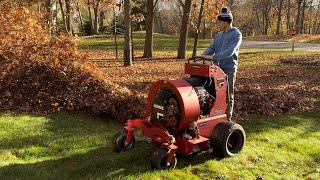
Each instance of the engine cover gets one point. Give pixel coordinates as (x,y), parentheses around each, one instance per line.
(173,104)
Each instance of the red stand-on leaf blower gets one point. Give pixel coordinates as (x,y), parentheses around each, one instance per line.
(186,116)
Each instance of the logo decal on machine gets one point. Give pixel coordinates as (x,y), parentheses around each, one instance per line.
(158,107)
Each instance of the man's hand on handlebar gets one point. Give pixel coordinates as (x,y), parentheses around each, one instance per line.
(207,57)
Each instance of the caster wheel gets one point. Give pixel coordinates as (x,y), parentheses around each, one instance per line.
(159,158)
(118,142)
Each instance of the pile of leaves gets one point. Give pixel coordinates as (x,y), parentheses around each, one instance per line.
(259,90)
(307,61)
(255,100)
(38,74)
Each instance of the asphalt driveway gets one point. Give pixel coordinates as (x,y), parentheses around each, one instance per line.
(279,45)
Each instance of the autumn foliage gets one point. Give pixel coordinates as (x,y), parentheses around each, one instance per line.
(40,75)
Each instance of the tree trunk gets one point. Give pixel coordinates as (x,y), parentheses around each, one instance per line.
(195,45)
(298,21)
(184,30)
(127,34)
(51,6)
(161,23)
(39,11)
(302,16)
(288,15)
(80,14)
(148,45)
(310,17)
(96,13)
(315,21)
(101,19)
(63,15)
(266,20)
(68,17)
(204,27)
(279,17)
(115,31)
(90,17)
(260,29)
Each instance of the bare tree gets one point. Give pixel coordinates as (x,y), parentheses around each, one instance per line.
(315,23)
(288,14)
(96,4)
(280,2)
(267,4)
(51,6)
(63,15)
(90,16)
(127,34)
(195,45)
(148,45)
(184,29)
(302,16)
(298,20)
(68,17)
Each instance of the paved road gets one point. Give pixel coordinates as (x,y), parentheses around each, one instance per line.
(280,45)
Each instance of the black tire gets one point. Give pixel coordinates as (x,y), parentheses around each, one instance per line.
(228,139)
(118,142)
(159,158)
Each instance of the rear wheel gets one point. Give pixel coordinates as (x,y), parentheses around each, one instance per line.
(159,159)
(118,142)
(228,139)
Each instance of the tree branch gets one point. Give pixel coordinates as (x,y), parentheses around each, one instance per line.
(3,2)
(155,4)
(181,3)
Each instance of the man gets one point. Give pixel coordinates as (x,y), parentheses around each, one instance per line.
(225,51)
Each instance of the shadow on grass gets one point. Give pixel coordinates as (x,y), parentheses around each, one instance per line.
(100,162)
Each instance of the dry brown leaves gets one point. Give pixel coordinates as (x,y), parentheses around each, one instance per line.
(37,75)
(259,90)
(308,61)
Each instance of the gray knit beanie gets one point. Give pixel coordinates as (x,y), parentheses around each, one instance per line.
(225,15)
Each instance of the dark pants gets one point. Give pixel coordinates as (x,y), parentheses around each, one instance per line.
(231,82)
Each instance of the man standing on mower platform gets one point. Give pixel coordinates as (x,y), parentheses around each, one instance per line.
(225,51)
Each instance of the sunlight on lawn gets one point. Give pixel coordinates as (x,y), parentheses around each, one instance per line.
(77,145)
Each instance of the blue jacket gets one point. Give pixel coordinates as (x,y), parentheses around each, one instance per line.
(225,47)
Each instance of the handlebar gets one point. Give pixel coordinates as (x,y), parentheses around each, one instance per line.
(201,58)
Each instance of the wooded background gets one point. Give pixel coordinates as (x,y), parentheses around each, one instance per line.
(186,18)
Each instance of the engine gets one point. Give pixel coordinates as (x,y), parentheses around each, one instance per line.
(205,100)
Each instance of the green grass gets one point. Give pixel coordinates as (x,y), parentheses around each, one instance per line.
(162,42)
(168,44)
(73,146)
(78,146)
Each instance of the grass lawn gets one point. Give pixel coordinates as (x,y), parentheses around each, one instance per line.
(73,146)
(78,146)
(162,42)
(101,47)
